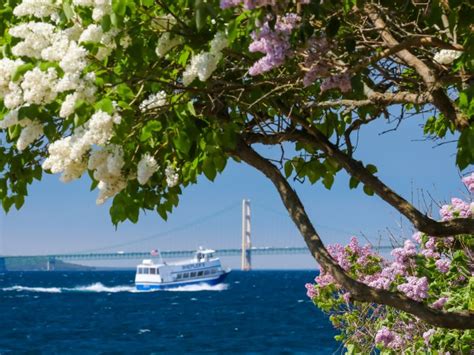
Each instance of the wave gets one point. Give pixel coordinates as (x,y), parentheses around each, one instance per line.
(99,287)
(199,287)
(33,289)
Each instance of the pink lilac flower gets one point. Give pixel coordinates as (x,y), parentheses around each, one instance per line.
(457,209)
(440,303)
(340,81)
(384,336)
(417,237)
(443,265)
(415,288)
(429,249)
(310,290)
(469,182)
(347,297)
(324,279)
(340,255)
(402,255)
(275,44)
(427,336)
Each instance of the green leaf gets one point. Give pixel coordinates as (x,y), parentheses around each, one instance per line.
(182,143)
(328,180)
(105,105)
(68,10)
(288,168)
(20,70)
(209,169)
(371,168)
(148,130)
(368,190)
(119,7)
(353,182)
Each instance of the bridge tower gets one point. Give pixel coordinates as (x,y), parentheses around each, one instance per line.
(246,239)
(50,264)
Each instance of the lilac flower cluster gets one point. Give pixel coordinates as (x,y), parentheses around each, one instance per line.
(457,209)
(252,4)
(469,182)
(275,44)
(389,338)
(415,288)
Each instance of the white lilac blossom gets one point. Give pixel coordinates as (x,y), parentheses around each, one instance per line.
(107,167)
(38,86)
(7,69)
(37,8)
(146,167)
(31,131)
(172,177)
(36,37)
(166,42)
(153,101)
(205,63)
(446,56)
(68,155)
(93,33)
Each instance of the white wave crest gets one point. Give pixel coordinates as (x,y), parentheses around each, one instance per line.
(199,287)
(33,289)
(98,287)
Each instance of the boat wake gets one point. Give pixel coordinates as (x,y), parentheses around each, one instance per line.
(99,288)
(33,289)
(199,287)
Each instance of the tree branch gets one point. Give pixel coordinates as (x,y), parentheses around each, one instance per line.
(440,99)
(356,169)
(358,290)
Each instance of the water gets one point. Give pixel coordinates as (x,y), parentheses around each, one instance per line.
(90,312)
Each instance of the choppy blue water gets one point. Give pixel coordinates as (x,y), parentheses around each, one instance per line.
(254,312)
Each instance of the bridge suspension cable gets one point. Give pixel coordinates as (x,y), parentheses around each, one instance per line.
(182,227)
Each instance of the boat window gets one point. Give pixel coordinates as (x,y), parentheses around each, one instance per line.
(146,270)
(206,272)
(153,271)
(193,274)
(179,276)
(139,270)
(200,273)
(185,275)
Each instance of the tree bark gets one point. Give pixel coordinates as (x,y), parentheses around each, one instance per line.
(358,290)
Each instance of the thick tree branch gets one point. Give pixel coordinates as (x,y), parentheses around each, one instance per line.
(440,99)
(377,98)
(358,290)
(355,168)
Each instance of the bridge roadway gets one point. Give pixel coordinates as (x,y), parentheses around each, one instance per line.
(165,254)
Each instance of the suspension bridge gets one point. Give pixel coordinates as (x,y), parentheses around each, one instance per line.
(246,252)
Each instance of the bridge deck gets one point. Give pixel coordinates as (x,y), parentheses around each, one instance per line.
(164,254)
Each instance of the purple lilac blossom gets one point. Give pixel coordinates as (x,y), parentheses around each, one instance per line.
(443,265)
(415,288)
(417,237)
(384,336)
(310,290)
(402,255)
(469,182)
(340,81)
(275,44)
(457,209)
(427,336)
(439,303)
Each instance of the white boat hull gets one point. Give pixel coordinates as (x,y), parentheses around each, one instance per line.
(211,281)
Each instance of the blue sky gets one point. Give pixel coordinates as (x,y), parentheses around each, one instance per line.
(61,217)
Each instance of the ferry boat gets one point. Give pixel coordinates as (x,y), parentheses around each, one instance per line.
(204,268)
